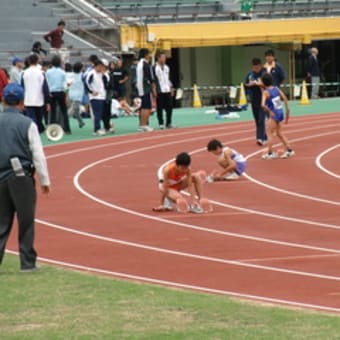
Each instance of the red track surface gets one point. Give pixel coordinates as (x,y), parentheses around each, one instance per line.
(274,235)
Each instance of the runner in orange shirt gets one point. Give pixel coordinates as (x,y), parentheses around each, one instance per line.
(178,176)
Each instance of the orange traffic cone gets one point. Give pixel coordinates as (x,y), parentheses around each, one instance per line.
(196,99)
(243,98)
(304,96)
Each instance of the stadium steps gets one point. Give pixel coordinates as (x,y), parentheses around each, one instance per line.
(173,10)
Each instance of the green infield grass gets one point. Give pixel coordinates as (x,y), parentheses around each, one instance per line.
(56,303)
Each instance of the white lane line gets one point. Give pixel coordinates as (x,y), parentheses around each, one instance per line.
(186,286)
(193,256)
(146,139)
(289,258)
(195,227)
(321,167)
(287,192)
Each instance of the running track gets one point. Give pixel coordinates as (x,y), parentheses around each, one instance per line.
(274,235)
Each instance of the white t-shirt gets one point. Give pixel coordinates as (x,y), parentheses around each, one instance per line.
(33,80)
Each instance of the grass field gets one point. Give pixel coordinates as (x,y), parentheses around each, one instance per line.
(56,303)
(61,304)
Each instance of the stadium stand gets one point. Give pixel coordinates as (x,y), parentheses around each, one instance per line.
(201,10)
(173,10)
(23,22)
(295,8)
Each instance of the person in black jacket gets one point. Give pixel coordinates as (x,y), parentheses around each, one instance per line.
(253,85)
(314,71)
(274,68)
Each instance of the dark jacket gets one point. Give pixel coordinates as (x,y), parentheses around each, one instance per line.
(313,66)
(14,141)
(254,92)
(277,73)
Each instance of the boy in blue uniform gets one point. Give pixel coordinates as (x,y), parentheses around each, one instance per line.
(232,162)
(273,100)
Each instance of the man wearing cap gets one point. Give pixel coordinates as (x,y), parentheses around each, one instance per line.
(21,154)
(16,70)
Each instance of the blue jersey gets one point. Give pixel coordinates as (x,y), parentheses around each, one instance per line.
(275,104)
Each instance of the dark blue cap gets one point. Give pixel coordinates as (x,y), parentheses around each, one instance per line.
(17,60)
(13,92)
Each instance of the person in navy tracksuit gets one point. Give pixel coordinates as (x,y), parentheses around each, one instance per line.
(253,85)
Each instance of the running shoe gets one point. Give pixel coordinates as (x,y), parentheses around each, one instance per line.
(210,179)
(231,177)
(99,133)
(167,204)
(272,155)
(145,128)
(196,209)
(288,154)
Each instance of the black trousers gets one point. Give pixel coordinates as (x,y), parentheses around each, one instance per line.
(18,196)
(260,122)
(59,99)
(36,114)
(164,102)
(106,116)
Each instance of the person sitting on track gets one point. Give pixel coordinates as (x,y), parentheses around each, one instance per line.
(272,98)
(232,162)
(175,177)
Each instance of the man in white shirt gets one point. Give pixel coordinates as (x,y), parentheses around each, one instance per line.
(96,83)
(21,154)
(164,92)
(36,92)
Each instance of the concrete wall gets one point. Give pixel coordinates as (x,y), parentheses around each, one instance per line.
(225,65)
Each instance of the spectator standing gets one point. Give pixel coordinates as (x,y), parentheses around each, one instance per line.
(45,65)
(76,93)
(253,85)
(314,71)
(133,79)
(16,70)
(97,93)
(69,75)
(90,65)
(56,79)
(55,37)
(106,116)
(3,83)
(19,136)
(164,92)
(274,68)
(118,79)
(146,88)
(36,91)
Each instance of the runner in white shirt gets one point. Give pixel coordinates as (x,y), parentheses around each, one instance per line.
(232,162)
